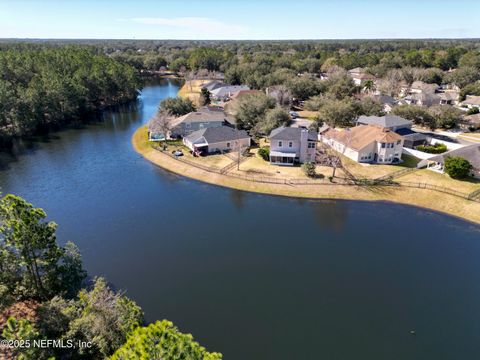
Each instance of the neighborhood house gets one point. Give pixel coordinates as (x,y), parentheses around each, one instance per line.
(292,145)
(360,76)
(401,126)
(205,117)
(472,102)
(226,92)
(366,143)
(471,153)
(217,139)
(389,122)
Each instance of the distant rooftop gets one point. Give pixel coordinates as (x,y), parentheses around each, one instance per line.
(387,121)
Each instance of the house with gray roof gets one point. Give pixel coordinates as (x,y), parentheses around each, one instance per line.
(471,153)
(214,84)
(390,122)
(226,92)
(401,126)
(387,101)
(204,117)
(292,145)
(217,139)
(423,87)
(423,99)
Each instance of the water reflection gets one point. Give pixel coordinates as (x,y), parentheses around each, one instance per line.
(238,199)
(330,214)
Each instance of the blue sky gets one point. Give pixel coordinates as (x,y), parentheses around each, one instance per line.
(230,19)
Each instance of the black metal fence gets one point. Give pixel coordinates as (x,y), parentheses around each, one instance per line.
(382,181)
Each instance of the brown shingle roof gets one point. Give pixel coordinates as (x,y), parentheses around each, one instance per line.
(360,136)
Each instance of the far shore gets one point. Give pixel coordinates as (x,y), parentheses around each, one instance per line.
(429,199)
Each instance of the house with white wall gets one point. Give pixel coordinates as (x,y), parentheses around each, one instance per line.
(471,153)
(366,144)
(360,76)
(290,145)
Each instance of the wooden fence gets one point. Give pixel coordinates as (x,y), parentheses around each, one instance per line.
(382,181)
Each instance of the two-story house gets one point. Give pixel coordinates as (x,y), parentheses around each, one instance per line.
(366,143)
(292,145)
(360,76)
(401,126)
(205,117)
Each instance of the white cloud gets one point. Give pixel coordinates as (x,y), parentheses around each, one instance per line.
(197,25)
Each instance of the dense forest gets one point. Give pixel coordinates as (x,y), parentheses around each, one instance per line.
(42,86)
(48,82)
(46,294)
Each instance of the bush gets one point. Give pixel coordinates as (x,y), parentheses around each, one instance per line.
(433,149)
(177,106)
(457,167)
(309,169)
(473,111)
(264,153)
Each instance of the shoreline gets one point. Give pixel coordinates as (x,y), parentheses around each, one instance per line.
(420,198)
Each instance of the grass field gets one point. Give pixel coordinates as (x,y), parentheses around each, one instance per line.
(430,199)
(373,171)
(191,89)
(307,114)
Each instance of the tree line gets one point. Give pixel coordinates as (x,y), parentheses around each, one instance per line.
(43,86)
(48,280)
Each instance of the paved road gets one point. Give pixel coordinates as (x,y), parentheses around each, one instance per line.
(451,136)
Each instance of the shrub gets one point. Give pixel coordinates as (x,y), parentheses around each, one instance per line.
(264,153)
(433,149)
(309,169)
(457,167)
(473,111)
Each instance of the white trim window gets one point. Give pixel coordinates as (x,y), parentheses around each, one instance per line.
(290,144)
(280,144)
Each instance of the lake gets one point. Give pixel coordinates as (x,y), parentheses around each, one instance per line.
(254,276)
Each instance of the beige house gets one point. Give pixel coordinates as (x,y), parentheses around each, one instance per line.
(360,76)
(366,144)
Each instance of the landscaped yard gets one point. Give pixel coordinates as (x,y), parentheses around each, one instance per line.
(256,166)
(434,178)
(216,161)
(373,171)
(307,114)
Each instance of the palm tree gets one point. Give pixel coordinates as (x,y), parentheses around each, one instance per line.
(369,86)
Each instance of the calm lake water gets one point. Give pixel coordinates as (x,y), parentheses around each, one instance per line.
(253,276)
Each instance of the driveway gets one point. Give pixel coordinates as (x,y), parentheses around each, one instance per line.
(299,122)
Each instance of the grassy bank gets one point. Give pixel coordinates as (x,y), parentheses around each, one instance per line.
(430,199)
(191,89)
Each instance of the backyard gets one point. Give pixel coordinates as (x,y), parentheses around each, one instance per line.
(191,89)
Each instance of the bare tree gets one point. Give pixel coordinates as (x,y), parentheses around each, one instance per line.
(238,148)
(162,123)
